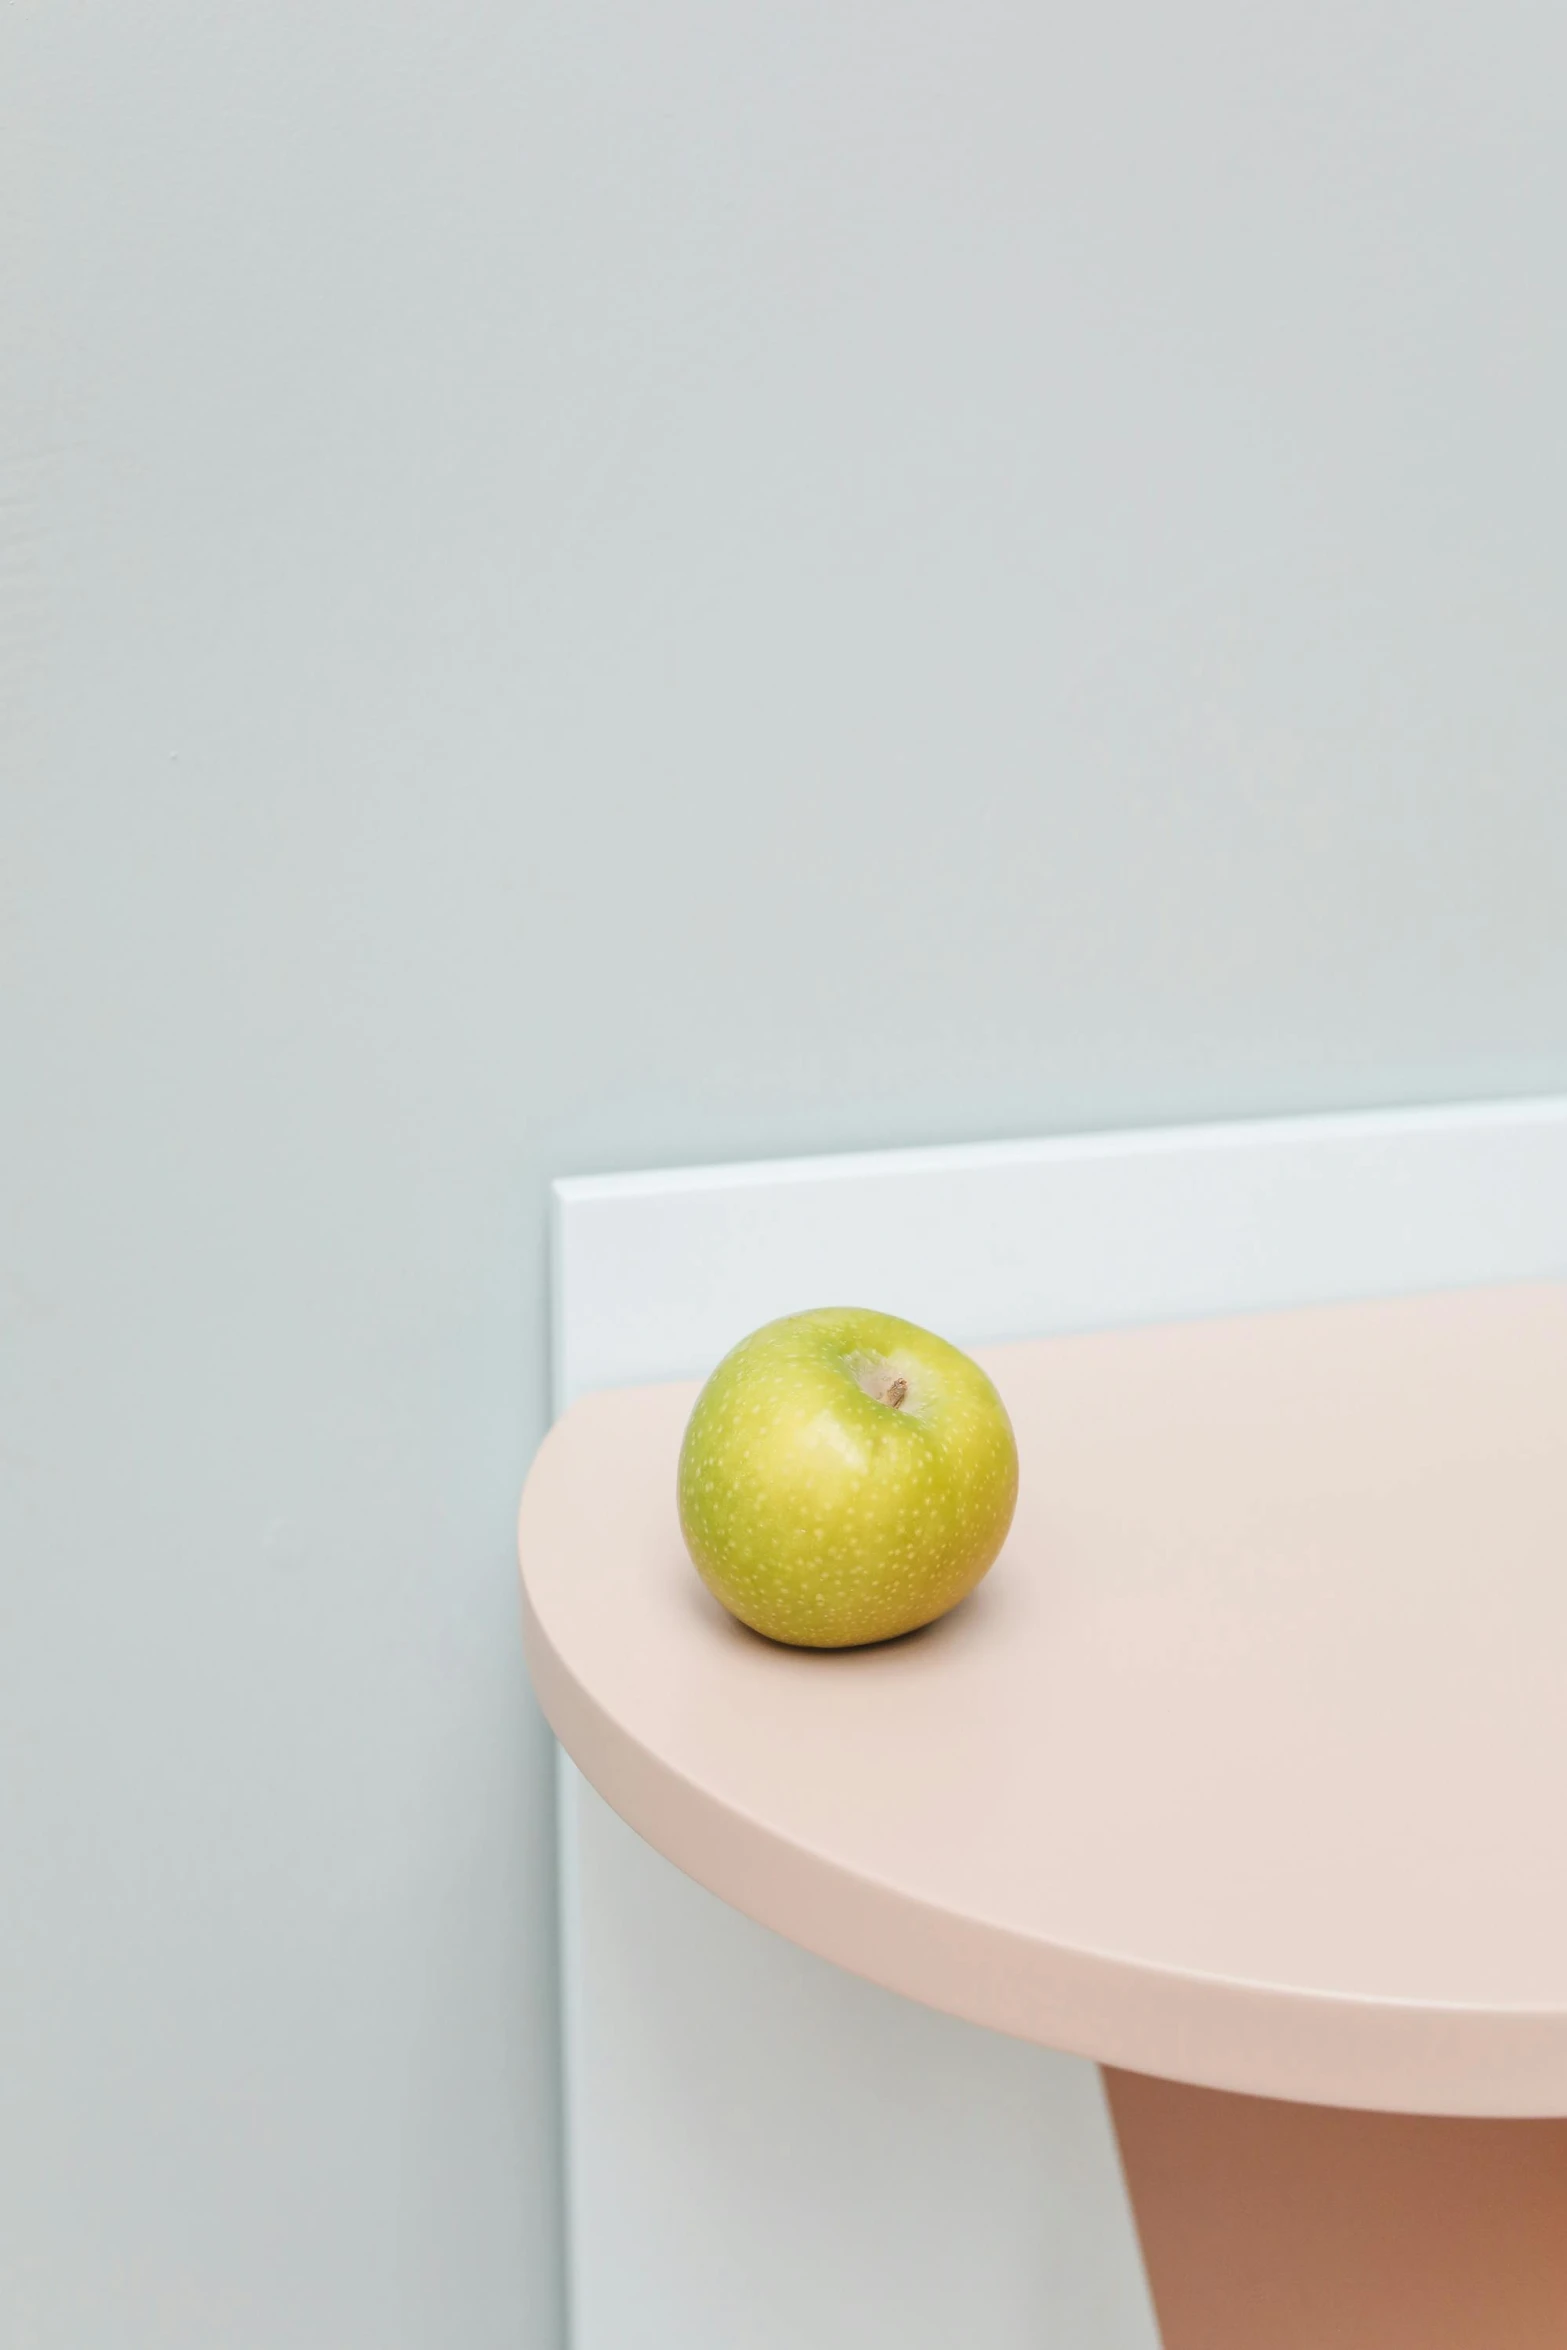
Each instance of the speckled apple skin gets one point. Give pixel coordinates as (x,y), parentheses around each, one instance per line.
(826,1517)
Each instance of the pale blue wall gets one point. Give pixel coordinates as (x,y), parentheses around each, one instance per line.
(588,585)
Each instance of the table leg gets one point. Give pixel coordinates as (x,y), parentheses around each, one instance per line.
(1268,2226)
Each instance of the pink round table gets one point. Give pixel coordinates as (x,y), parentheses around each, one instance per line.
(1244,1773)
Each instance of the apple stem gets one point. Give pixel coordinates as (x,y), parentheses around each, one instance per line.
(897,1391)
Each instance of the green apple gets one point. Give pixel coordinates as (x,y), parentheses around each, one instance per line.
(845,1477)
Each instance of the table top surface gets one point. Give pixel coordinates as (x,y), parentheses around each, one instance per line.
(1247,1763)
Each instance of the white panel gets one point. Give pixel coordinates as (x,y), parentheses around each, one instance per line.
(764,2154)
(1013,1240)
(777,2156)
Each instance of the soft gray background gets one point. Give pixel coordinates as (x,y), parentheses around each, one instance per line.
(589,585)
